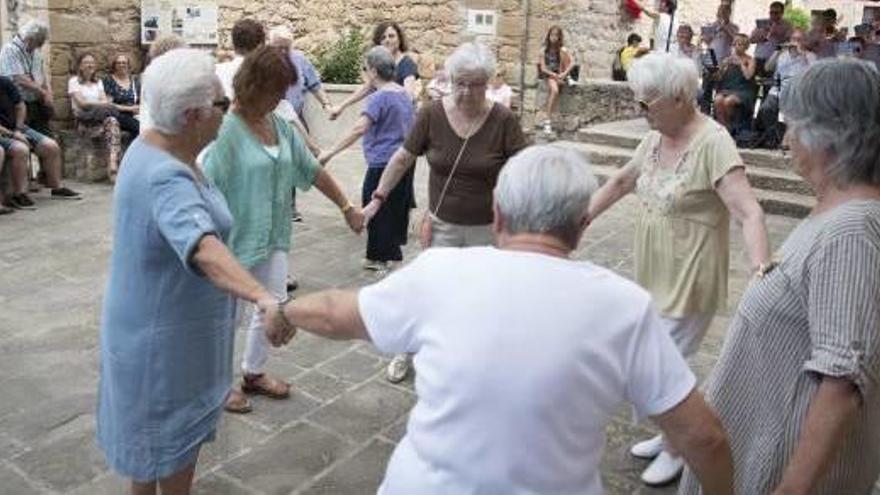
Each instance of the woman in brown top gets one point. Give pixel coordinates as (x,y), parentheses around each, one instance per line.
(466,140)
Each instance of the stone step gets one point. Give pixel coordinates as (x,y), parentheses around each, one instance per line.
(628,137)
(760,177)
(780,193)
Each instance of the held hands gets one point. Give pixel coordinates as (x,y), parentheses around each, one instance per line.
(278,331)
(334,111)
(371,209)
(323,158)
(354,217)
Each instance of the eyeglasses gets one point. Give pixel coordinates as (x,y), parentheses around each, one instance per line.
(223,104)
(646,105)
(469,85)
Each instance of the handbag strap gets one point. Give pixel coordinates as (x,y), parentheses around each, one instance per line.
(454,168)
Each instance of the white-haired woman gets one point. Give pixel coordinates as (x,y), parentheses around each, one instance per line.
(21,60)
(690,180)
(466,140)
(796,385)
(167,324)
(384,123)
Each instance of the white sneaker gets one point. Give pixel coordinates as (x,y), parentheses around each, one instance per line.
(663,470)
(648,449)
(374,266)
(398,368)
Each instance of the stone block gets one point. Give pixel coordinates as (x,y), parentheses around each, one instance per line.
(289,460)
(274,414)
(13,482)
(85,159)
(320,385)
(67,28)
(362,473)
(352,367)
(64,464)
(365,411)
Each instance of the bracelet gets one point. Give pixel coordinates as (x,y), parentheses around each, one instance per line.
(281,304)
(347,208)
(378,196)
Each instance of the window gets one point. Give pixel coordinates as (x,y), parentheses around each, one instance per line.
(481,21)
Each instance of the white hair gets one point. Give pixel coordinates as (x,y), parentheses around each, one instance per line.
(664,75)
(281,35)
(180,80)
(34,30)
(547,190)
(471,57)
(834,107)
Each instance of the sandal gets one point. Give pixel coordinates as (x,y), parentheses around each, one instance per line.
(263,384)
(238,403)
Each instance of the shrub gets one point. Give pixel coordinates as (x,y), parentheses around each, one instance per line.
(341,62)
(798,17)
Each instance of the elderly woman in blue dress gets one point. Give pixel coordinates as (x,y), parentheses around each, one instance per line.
(167,325)
(796,384)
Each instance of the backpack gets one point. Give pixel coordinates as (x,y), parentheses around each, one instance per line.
(617,71)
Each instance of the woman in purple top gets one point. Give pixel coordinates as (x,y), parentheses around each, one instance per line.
(384,123)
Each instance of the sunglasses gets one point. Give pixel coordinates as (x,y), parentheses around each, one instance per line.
(223,104)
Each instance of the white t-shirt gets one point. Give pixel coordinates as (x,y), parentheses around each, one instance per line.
(226,73)
(521,360)
(661,34)
(90,92)
(501,95)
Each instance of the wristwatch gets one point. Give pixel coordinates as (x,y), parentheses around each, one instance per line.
(282,303)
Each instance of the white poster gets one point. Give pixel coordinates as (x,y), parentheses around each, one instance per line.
(194,21)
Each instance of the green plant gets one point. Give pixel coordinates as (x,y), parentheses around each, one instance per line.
(341,62)
(797,16)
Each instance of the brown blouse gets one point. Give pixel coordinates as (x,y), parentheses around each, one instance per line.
(468,199)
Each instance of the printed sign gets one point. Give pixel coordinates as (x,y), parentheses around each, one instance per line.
(194,21)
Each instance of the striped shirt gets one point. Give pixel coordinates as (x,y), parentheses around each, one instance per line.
(817,314)
(15,60)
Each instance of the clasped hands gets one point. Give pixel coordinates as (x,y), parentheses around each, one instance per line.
(279,330)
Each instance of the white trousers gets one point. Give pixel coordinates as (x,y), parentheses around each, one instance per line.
(688,332)
(272,273)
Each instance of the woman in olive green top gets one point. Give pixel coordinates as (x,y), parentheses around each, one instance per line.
(690,180)
(256,162)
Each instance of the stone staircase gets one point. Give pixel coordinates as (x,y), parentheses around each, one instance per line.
(610,146)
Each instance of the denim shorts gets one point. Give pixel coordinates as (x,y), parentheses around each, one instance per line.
(34,139)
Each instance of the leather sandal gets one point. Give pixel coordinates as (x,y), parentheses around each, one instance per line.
(262,384)
(238,403)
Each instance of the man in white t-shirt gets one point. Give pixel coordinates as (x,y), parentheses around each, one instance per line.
(522,355)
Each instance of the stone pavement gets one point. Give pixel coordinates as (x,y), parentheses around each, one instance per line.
(333,436)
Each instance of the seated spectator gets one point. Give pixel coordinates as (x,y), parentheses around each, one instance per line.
(554,65)
(626,55)
(124,91)
(498,91)
(95,115)
(787,62)
(736,86)
(17,141)
(591,341)
(22,61)
(768,37)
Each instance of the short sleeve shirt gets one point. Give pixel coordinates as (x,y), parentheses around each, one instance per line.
(391,114)
(590,339)
(91,92)
(308,80)
(257,185)
(15,60)
(816,314)
(9,98)
(468,200)
(682,233)
(405,68)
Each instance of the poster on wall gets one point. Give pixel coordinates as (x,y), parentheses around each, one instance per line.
(194,21)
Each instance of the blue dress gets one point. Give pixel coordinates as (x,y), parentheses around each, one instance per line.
(166,331)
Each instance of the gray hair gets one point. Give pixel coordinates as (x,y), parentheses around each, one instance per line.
(380,58)
(35,30)
(180,80)
(471,57)
(545,190)
(664,75)
(834,107)
(281,36)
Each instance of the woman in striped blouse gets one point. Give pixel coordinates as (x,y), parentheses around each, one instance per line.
(797,385)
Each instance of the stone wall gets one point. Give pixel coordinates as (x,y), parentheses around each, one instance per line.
(593,101)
